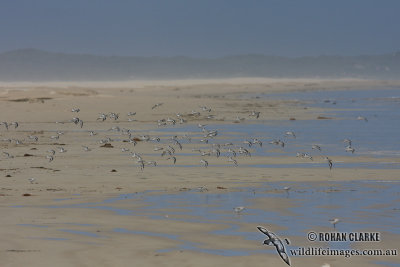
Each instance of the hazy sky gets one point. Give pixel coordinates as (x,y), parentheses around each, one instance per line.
(202,28)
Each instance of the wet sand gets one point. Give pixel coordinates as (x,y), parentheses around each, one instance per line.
(37,235)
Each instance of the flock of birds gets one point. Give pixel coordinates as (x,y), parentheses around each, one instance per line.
(166,147)
(208,146)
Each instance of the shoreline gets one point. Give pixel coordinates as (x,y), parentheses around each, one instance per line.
(77,177)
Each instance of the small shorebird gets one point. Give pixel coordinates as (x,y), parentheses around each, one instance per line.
(329,162)
(350,149)
(317,147)
(172,150)
(287,188)
(165,152)
(195,113)
(151,163)
(348,141)
(35,138)
(244,151)
(75,110)
(115,128)
(102,117)
(277,142)
(230,159)
(205,109)
(255,114)
(238,119)
(211,134)
(209,117)
(173,158)
(256,141)
(18,142)
(202,188)
(171,120)
(291,134)
(55,137)
(208,153)
(8,155)
(113,115)
(156,105)
(239,209)
(5,124)
(61,149)
(304,156)
(15,124)
(133,141)
(131,114)
(50,158)
(75,120)
(157,139)
(204,163)
(247,142)
(136,155)
(362,118)
(85,148)
(334,221)
(32,180)
(141,163)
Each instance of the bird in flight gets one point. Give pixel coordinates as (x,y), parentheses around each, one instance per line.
(273,240)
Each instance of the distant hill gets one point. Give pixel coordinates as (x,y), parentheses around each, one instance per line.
(37,65)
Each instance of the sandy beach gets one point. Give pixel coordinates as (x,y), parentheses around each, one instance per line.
(51,220)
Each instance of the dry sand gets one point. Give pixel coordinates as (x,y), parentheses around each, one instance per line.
(83,177)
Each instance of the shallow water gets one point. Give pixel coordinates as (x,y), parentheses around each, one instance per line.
(375,206)
(376,137)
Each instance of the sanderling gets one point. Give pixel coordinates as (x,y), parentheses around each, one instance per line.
(5,124)
(247,142)
(291,134)
(230,159)
(35,138)
(204,163)
(348,141)
(238,209)
(256,141)
(50,158)
(255,114)
(173,158)
(156,105)
(85,148)
(362,118)
(8,155)
(329,162)
(15,124)
(61,149)
(349,149)
(334,221)
(317,147)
